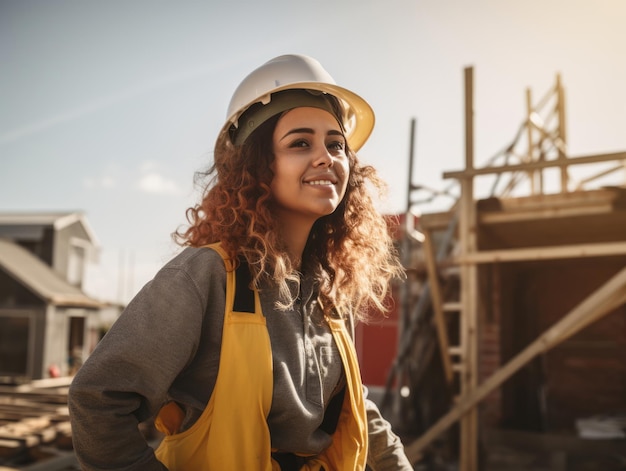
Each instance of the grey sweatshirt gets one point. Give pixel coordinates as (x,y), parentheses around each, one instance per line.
(166,346)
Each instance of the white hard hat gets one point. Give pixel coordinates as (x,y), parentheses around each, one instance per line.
(291,72)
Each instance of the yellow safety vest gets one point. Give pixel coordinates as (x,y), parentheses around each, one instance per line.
(232,432)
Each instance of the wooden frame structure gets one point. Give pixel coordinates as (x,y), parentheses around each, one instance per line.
(546,149)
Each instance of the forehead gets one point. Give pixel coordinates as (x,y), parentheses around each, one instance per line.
(308,117)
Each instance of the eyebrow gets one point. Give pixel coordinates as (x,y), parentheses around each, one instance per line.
(332,132)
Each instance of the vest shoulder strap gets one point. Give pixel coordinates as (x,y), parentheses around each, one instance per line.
(244,296)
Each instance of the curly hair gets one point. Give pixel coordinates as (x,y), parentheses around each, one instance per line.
(350,252)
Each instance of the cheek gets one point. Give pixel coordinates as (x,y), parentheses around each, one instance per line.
(345,172)
(283,175)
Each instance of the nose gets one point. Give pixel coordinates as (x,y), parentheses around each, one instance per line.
(323,158)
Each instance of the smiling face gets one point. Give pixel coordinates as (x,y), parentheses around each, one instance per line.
(310,165)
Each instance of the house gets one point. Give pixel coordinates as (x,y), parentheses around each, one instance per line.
(47,323)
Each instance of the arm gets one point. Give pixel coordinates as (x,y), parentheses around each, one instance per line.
(385,451)
(127,377)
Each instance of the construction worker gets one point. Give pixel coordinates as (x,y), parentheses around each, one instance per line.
(241,346)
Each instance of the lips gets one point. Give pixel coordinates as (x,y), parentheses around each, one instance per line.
(321,180)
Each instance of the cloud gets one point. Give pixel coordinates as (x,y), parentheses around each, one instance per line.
(156,183)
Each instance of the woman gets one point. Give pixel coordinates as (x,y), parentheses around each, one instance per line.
(241,345)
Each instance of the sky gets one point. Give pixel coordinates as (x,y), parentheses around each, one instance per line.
(109,107)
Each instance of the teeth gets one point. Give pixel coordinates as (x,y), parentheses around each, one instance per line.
(321,182)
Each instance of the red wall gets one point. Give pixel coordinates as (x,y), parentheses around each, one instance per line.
(377,341)
(376,345)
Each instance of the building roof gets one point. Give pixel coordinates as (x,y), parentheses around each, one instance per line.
(40,278)
(57,220)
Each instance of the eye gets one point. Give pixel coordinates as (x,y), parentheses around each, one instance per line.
(338,145)
(299,143)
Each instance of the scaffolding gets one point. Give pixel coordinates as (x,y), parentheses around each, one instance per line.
(446,319)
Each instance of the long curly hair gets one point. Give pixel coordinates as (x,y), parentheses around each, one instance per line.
(350,252)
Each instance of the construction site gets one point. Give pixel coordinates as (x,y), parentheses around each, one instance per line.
(511,325)
(512,322)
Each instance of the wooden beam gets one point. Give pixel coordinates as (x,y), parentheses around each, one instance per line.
(468,316)
(543,213)
(560,103)
(435,221)
(604,173)
(437,301)
(604,249)
(529,134)
(569,325)
(602,196)
(609,304)
(537,165)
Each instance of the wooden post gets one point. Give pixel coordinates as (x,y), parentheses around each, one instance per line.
(437,301)
(468,315)
(529,133)
(562,131)
(406,242)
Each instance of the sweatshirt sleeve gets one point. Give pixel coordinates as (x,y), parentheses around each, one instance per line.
(385,450)
(126,379)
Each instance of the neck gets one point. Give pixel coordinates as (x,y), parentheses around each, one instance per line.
(294,234)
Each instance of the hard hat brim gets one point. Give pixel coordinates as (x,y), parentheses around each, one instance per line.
(359,120)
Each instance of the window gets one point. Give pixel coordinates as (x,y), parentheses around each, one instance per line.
(14,346)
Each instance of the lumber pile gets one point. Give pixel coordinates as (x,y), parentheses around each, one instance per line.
(34,420)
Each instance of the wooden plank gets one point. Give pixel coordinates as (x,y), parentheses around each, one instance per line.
(469,317)
(24,441)
(569,325)
(531,148)
(47,399)
(579,203)
(609,304)
(600,197)
(435,221)
(543,213)
(64,428)
(604,249)
(455,351)
(604,173)
(21,403)
(574,204)
(47,435)
(537,165)
(451,306)
(560,103)
(39,385)
(25,426)
(437,302)
(33,415)
(9,444)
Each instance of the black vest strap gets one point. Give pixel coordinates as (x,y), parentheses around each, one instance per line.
(331,415)
(244,296)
